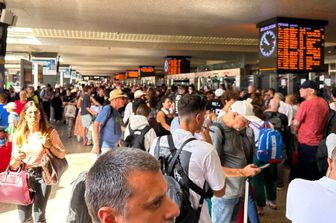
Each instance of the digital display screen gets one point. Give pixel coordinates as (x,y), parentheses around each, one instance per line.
(120,76)
(300,48)
(146,71)
(132,74)
(177,65)
(291,45)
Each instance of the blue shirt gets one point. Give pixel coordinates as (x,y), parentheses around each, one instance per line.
(110,134)
(3,116)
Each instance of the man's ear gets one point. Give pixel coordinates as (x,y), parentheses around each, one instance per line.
(198,116)
(331,165)
(108,215)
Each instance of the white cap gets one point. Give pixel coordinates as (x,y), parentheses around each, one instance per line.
(245,109)
(10,105)
(219,92)
(139,93)
(331,143)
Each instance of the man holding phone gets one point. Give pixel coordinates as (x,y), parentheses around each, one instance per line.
(234,142)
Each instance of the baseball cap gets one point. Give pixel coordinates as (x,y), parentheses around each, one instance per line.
(331,144)
(139,93)
(219,92)
(10,105)
(309,84)
(245,109)
(116,94)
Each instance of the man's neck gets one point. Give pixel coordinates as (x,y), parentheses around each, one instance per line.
(187,127)
(309,97)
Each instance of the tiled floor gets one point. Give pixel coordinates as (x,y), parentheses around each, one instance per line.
(79,160)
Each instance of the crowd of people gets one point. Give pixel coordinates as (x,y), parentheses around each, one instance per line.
(218,133)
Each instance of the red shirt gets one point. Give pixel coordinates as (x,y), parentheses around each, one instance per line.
(19,106)
(312,115)
(5,155)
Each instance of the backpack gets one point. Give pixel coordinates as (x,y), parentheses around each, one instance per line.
(276,122)
(179,183)
(269,144)
(136,138)
(331,123)
(222,131)
(322,158)
(78,211)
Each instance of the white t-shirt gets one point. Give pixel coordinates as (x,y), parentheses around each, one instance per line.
(128,112)
(311,201)
(287,110)
(204,165)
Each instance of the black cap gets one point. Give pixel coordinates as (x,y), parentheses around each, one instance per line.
(309,84)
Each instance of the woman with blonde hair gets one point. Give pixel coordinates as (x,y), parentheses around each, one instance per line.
(30,142)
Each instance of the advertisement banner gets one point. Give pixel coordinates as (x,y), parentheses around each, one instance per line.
(48,64)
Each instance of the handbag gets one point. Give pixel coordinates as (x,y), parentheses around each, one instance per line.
(17,187)
(53,167)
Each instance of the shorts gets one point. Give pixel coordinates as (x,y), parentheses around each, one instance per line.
(86,120)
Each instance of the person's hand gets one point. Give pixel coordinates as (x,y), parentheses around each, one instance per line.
(20,156)
(250,170)
(206,135)
(95,149)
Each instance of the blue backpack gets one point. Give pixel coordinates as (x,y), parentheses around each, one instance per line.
(269,145)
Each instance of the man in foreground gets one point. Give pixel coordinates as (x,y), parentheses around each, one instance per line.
(126,185)
(313,201)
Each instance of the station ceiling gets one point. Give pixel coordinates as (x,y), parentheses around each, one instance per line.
(108,36)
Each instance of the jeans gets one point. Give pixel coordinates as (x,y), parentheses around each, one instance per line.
(225,210)
(40,203)
(251,208)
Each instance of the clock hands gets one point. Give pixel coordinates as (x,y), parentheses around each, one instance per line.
(264,40)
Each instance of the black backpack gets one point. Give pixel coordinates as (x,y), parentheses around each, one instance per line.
(331,123)
(322,158)
(78,211)
(179,182)
(136,138)
(275,120)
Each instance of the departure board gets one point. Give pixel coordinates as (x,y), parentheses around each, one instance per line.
(298,45)
(177,65)
(146,71)
(132,74)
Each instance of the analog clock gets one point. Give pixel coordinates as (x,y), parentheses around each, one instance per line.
(267,43)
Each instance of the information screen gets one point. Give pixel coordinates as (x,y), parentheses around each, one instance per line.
(292,45)
(300,48)
(146,71)
(132,74)
(177,64)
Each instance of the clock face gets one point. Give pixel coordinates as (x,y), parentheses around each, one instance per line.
(267,43)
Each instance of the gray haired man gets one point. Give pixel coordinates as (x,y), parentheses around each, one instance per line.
(126,185)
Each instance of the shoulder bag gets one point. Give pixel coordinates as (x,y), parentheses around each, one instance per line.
(17,187)
(53,167)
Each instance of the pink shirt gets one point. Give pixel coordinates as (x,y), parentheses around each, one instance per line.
(312,115)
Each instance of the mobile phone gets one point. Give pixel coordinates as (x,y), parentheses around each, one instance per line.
(264,166)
